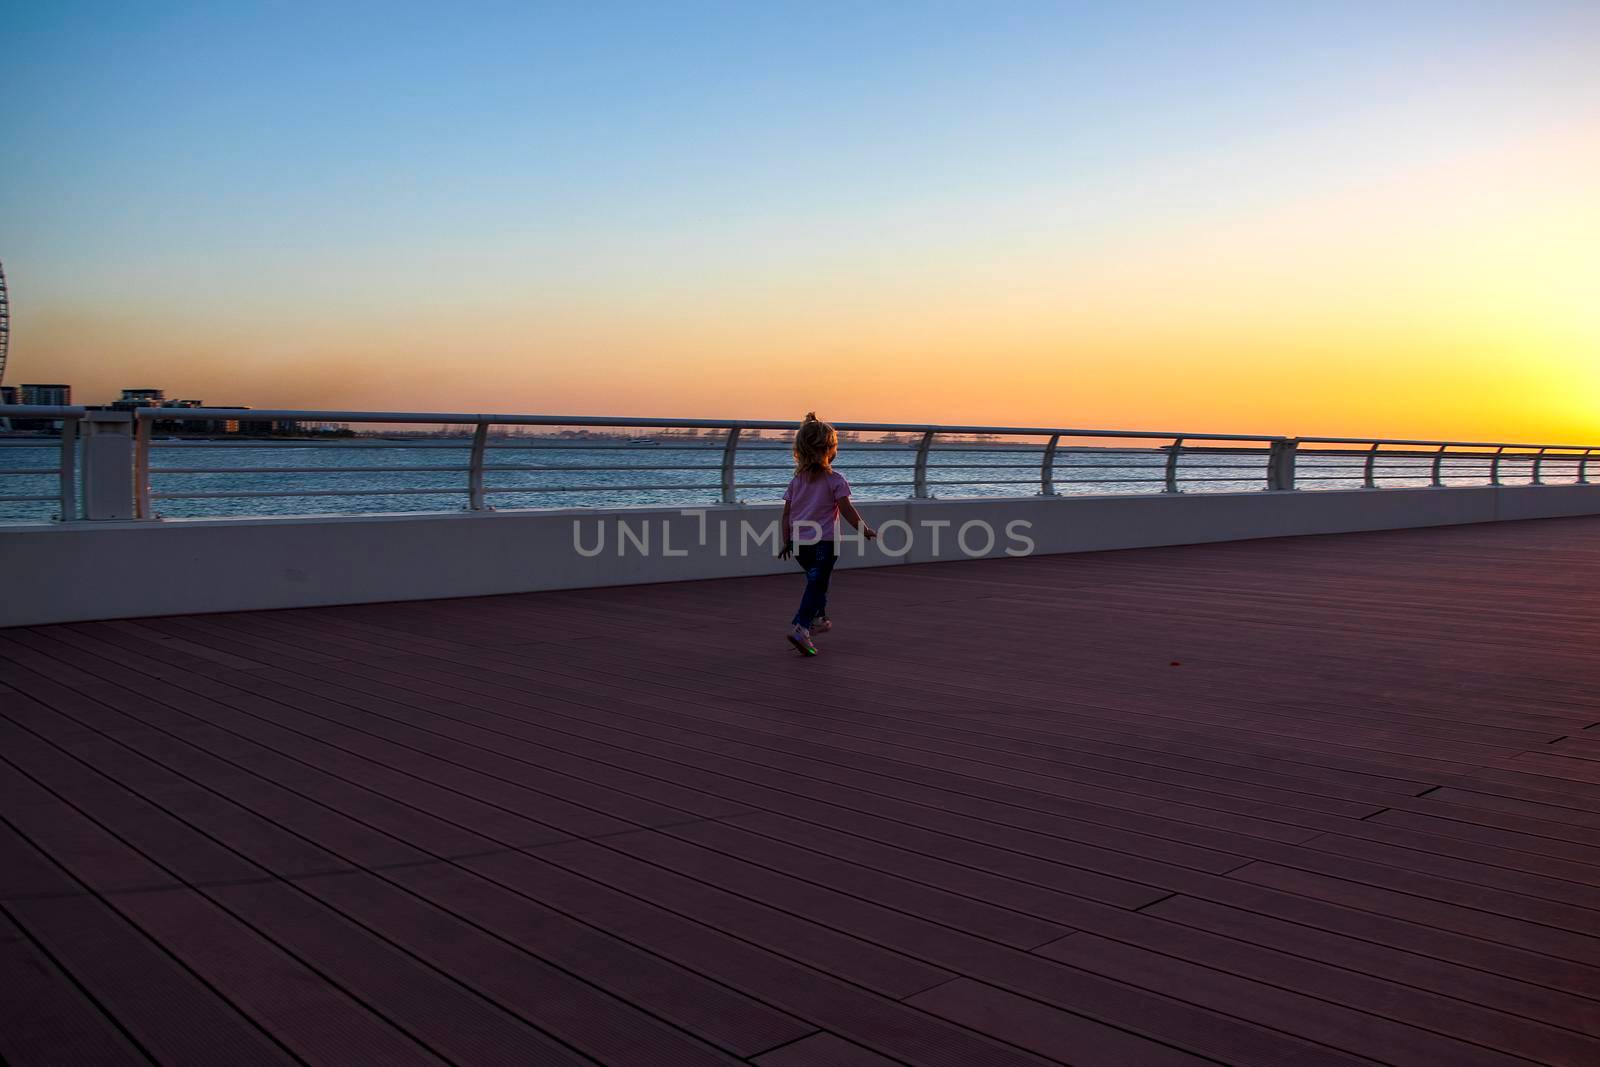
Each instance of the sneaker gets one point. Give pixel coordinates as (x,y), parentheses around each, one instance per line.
(800,638)
(821,625)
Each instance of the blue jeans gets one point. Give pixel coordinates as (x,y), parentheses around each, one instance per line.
(818,561)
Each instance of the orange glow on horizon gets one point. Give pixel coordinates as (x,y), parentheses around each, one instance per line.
(1452,300)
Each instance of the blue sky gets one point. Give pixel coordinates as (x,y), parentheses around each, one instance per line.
(161,125)
(200,171)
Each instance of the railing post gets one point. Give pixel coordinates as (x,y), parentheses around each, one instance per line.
(1538,463)
(1438,466)
(141,468)
(1583,467)
(1494,466)
(108,463)
(919,478)
(1173,451)
(1280,464)
(1369,478)
(69,469)
(729,453)
(1047,469)
(480,443)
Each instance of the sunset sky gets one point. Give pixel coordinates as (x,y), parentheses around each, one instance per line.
(1319,218)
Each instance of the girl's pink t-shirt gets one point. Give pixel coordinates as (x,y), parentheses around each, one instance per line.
(814,498)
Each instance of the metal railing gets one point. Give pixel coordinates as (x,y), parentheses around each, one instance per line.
(918,466)
(65,471)
(606,460)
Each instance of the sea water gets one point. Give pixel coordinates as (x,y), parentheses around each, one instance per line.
(364,475)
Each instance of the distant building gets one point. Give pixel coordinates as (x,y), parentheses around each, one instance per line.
(47,395)
(220,426)
(52,395)
(176,425)
(238,425)
(245,425)
(139,398)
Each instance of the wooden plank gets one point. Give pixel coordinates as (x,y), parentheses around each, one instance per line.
(1515,872)
(462,1023)
(48,1017)
(953,950)
(1558,764)
(1067,758)
(563,801)
(1105,705)
(301,812)
(1578,746)
(968,913)
(848,732)
(1357,940)
(1330,1023)
(411,776)
(451,1022)
(306,968)
(1494,833)
(88,771)
(1376,995)
(1193,747)
(773,768)
(1385,845)
(882,970)
(1047,1030)
(877,1022)
(1557,1009)
(1463,918)
(174,1007)
(27,873)
(1149,896)
(721,1015)
(84,849)
(1135,680)
(181,841)
(823,1050)
(1050,793)
(1469,798)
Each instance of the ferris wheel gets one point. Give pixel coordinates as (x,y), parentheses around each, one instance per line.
(5,322)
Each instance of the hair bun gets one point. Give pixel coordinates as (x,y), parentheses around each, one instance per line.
(811,416)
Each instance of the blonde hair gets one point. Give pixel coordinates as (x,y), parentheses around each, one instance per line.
(815,445)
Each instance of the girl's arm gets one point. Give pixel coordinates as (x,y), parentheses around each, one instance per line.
(848,510)
(788,535)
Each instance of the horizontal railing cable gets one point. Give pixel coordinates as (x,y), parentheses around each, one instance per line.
(643,460)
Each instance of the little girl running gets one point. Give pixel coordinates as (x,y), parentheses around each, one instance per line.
(816,497)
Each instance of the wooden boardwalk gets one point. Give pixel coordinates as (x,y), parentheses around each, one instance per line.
(1286,803)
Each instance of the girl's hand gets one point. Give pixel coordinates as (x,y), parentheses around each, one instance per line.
(869,533)
(787,550)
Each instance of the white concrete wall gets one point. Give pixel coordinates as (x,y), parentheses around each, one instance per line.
(100,570)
